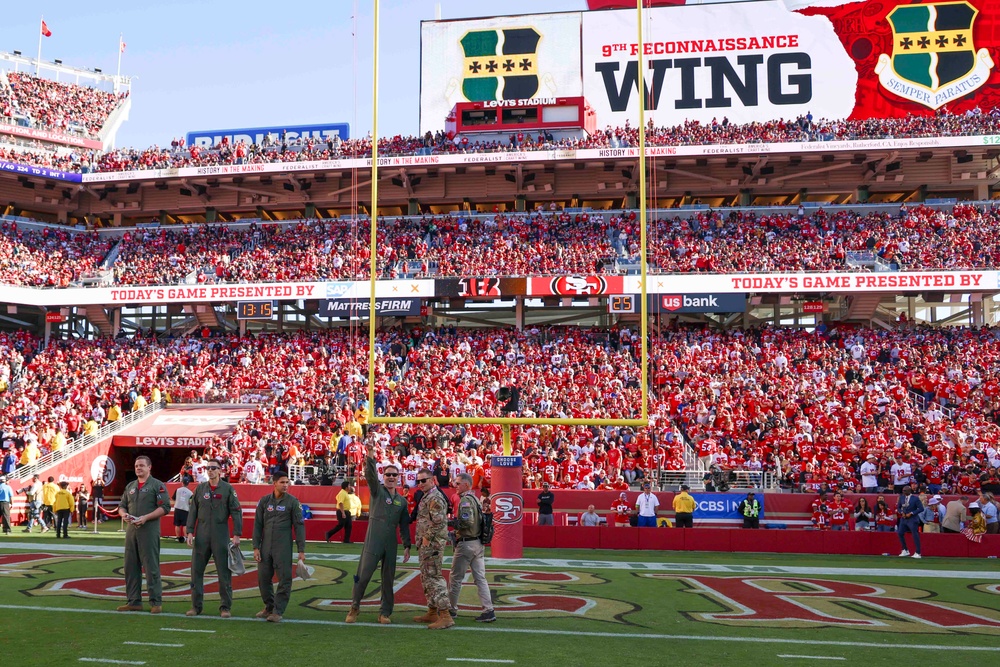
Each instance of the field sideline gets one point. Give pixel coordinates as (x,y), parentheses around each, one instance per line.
(583,607)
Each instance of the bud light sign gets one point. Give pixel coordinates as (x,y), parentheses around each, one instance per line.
(277,134)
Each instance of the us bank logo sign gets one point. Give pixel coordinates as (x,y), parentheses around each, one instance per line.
(500,61)
(934,57)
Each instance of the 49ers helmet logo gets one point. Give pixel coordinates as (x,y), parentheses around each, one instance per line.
(507,508)
(578,285)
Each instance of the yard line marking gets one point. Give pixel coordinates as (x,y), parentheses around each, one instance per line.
(533,631)
(811,657)
(563,564)
(105,661)
(153,644)
(210,632)
(508,662)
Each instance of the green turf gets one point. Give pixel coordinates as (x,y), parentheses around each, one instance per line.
(618,614)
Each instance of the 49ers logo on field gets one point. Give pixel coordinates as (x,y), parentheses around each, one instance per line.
(507,507)
(524,593)
(786,602)
(176,577)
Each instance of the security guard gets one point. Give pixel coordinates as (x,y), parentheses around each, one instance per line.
(145,500)
(278,516)
(684,507)
(387,514)
(211,507)
(432,538)
(749,509)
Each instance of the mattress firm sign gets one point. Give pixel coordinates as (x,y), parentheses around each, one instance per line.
(360,307)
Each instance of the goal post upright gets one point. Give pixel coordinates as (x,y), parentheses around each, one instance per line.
(373,214)
(508,508)
(507,422)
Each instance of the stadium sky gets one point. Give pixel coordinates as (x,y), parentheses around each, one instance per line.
(214,65)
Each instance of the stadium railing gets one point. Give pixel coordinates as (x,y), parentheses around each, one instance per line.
(77,445)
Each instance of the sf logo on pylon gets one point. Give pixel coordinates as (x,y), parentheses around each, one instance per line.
(934,59)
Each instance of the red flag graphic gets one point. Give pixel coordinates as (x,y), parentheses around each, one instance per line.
(45,29)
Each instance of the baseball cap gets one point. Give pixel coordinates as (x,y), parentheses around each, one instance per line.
(973,506)
(934,501)
(685,487)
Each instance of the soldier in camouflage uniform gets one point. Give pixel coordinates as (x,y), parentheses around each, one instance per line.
(432,537)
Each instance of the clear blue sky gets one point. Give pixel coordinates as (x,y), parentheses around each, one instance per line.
(225,64)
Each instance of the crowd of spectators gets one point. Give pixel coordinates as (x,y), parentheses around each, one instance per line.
(808,407)
(539,243)
(50,257)
(63,105)
(812,406)
(52,105)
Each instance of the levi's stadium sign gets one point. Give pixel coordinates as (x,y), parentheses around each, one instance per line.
(744,61)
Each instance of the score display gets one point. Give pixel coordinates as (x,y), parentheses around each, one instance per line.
(254,310)
(621,303)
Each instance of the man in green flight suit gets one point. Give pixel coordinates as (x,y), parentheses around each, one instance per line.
(144,501)
(387,515)
(278,516)
(212,505)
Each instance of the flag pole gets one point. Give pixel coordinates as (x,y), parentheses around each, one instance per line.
(118,76)
(38,61)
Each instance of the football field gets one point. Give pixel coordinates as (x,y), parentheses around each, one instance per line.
(57,598)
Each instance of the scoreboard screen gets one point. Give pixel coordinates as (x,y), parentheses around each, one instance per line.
(254,310)
(621,303)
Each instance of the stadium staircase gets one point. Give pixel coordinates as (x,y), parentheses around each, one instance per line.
(98,317)
(204,313)
(863,307)
(79,445)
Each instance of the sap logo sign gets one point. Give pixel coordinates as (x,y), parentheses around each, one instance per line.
(508,508)
(334,290)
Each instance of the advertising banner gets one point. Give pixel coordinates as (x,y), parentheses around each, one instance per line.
(720,287)
(43,172)
(499,58)
(359,307)
(697,303)
(745,62)
(50,136)
(256,135)
(723,505)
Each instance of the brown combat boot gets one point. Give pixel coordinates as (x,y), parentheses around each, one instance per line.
(384,620)
(352,615)
(429,617)
(443,622)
